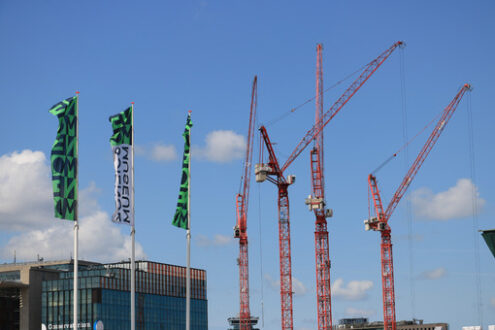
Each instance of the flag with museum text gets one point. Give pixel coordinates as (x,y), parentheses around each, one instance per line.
(181,213)
(123,162)
(63,159)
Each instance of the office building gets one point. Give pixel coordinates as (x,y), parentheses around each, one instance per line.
(39,295)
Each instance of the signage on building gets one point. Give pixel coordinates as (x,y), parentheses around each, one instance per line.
(98,325)
(68,326)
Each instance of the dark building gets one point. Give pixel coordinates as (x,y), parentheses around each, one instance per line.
(39,295)
(363,324)
(234,323)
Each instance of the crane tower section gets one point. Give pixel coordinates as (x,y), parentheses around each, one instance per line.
(380,221)
(316,202)
(240,229)
(274,173)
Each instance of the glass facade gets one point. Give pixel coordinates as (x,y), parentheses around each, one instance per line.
(104,294)
(10,276)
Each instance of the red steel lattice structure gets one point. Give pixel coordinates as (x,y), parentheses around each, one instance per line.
(272,172)
(316,203)
(240,230)
(380,222)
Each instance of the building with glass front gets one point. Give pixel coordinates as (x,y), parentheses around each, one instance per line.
(104,296)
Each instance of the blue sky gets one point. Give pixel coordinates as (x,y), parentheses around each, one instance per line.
(202,55)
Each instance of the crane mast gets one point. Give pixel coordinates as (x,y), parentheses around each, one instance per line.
(240,230)
(272,172)
(380,222)
(316,203)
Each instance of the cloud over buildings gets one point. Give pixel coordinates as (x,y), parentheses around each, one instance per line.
(355,312)
(354,290)
(26,211)
(454,203)
(25,191)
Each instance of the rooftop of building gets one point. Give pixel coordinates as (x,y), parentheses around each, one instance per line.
(362,323)
(143,265)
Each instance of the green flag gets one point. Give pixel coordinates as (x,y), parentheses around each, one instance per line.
(181,216)
(489,236)
(63,159)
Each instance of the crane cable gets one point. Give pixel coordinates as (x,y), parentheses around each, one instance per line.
(287,113)
(406,144)
(474,204)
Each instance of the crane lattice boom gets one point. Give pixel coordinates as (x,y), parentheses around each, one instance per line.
(368,71)
(316,203)
(380,222)
(240,230)
(272,172)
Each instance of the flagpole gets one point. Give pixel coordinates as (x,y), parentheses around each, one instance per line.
(76,225)
(188,251)
(133,233)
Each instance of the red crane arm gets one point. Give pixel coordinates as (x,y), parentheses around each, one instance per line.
(242,199)
(368,71)
(444,119)
(240,230)
(377,200)
(273,166)
(380,223)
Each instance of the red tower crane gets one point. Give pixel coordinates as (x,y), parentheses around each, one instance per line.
(272,172)
(316,203)
(380,222)
(240,229)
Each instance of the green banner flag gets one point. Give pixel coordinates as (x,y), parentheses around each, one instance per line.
(181,216)
(63,159)
(489,236)
(123,162)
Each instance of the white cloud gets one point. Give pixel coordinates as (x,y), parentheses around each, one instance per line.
(158,152)
(221,147)
(99,240)
(298,287)
(218,240)
(355,290)
(161,152)
(433,274)
(25,191)
(456,202)
(29,209)
(354,312)
(271,282)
